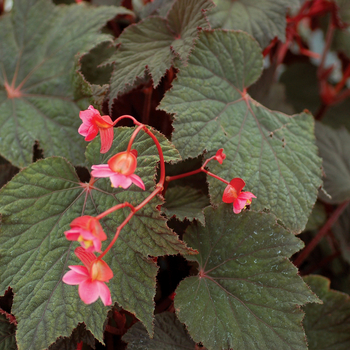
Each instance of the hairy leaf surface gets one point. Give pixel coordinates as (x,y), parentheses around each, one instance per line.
(246,294)
(38,44)
(327,326)
(37,206)
(274,153)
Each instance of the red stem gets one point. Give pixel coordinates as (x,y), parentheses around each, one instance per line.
(321,233)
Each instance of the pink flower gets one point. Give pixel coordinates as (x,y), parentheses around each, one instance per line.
(220,155)
(90,278)
(88,231)
(93,123)
(120,169)
(233,194)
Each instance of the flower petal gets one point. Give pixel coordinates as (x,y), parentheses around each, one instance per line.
(85,257)
(237,183)
(82,270)
(101,170)
(72,235)
(120,180)
(73,278)
(237,208)
(137,181)
(88,291)
(246,195)
(106,139)
(104,293)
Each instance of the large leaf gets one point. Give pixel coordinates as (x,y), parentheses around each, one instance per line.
(151,46)
(327,326)
(37,206)
(274,153)
(169,334)
(263,19)
(37,48)
(334,148)
(341,230)
(247,294)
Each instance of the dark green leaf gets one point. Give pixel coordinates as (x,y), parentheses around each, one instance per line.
(185,203)
(7,333)
(169,334)
(37,206)
(334,148)
(274,153)
(37,49)
(247,294)
(150,47)
(327,326)
(263,19)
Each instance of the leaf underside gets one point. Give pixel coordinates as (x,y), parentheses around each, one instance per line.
(37,206)
(274,153)
(247,294)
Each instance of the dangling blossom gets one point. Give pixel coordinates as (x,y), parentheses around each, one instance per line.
(120,170)
(233,194)
(88,231)
(93,123)
(90,277)
(220,155)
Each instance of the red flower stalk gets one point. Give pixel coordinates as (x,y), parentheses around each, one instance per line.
(93,123)
(88,231)
(120,169)
(233,194)
(90,277)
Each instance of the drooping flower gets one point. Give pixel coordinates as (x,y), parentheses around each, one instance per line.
(93,123)
(233,194)
(120,169)
(88,231)
(90,277)
(220,155)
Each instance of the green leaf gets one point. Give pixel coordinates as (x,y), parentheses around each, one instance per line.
(37,206)
(246,294)
(264,19)
(334,148)
(150,47)
(274,153)
(169,334)
(327,326)
(37,48)
(7,171)
(7,333)
(185,203)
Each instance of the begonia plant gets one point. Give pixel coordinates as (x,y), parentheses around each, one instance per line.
(174,174)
